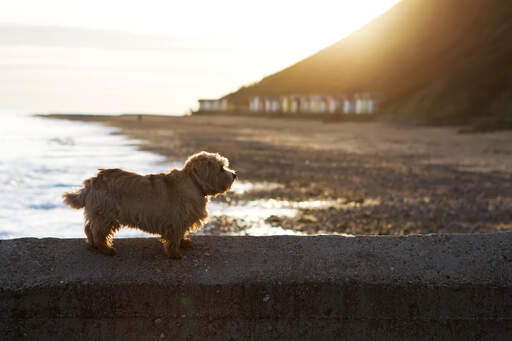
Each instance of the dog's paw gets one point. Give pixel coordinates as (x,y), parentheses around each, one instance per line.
(185,243)
(173,254)
(108,251)
(89,245)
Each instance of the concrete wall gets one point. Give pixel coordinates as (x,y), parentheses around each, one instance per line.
(261,288)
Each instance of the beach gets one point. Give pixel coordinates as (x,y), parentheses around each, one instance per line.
(358,178)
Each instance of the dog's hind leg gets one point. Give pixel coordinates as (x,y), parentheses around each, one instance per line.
(88,230)
(88,233)
(103,242)
(171,247)
(102,232)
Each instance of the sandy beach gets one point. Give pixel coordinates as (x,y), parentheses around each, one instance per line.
(372,177)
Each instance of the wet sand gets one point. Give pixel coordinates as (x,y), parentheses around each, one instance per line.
(381,178)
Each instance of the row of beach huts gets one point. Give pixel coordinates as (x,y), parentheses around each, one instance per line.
(365,103)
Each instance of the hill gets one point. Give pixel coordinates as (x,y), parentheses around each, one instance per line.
(432,61)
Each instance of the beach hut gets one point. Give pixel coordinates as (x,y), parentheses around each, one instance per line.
(315,104)
(304,104)
(255,104)
(322,104)
(294,104)
(275,105)
(207,104)
(332,104)
(211,105)
(268,104)
(224,105)
(285,104)
(371,105)
(348,105)
(358,104)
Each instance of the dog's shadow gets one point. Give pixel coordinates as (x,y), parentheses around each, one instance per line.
(142,248)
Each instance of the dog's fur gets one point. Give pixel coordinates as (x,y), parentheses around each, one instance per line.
(168,204)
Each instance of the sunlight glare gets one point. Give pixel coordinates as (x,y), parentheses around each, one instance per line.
(311,24)
(156,55)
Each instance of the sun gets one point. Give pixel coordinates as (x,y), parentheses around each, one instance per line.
(313,24)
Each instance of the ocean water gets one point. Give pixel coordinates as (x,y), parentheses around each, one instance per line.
(42,158)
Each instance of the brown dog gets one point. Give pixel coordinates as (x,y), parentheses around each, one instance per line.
(168,204)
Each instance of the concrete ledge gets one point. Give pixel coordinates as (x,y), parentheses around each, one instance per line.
(322,287)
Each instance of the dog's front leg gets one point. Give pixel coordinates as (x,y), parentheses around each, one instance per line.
(172,248)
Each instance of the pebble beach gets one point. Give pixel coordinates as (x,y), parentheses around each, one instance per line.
(355,178)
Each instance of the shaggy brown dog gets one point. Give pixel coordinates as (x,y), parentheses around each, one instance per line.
(168,204)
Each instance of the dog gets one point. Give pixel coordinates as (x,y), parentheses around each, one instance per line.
(168,204)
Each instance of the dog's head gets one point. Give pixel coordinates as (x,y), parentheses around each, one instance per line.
(211,171)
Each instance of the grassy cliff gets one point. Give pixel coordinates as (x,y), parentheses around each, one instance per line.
(436,62)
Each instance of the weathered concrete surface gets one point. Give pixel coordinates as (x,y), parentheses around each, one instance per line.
(322,287)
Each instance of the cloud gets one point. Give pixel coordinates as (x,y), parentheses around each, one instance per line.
(72,37)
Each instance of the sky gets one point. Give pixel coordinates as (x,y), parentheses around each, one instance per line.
(157,56)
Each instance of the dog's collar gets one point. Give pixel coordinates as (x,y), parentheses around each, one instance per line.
(198,185)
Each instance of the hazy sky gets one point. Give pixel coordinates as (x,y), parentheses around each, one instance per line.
(157,56)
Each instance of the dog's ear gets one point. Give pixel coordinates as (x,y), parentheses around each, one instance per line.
(198,164)
(203,167)
(204,163)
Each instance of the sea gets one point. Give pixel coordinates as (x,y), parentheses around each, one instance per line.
(42,158)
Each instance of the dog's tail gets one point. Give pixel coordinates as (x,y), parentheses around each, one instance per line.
(76,199)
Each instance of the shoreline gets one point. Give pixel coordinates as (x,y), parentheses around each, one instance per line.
(387,179)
